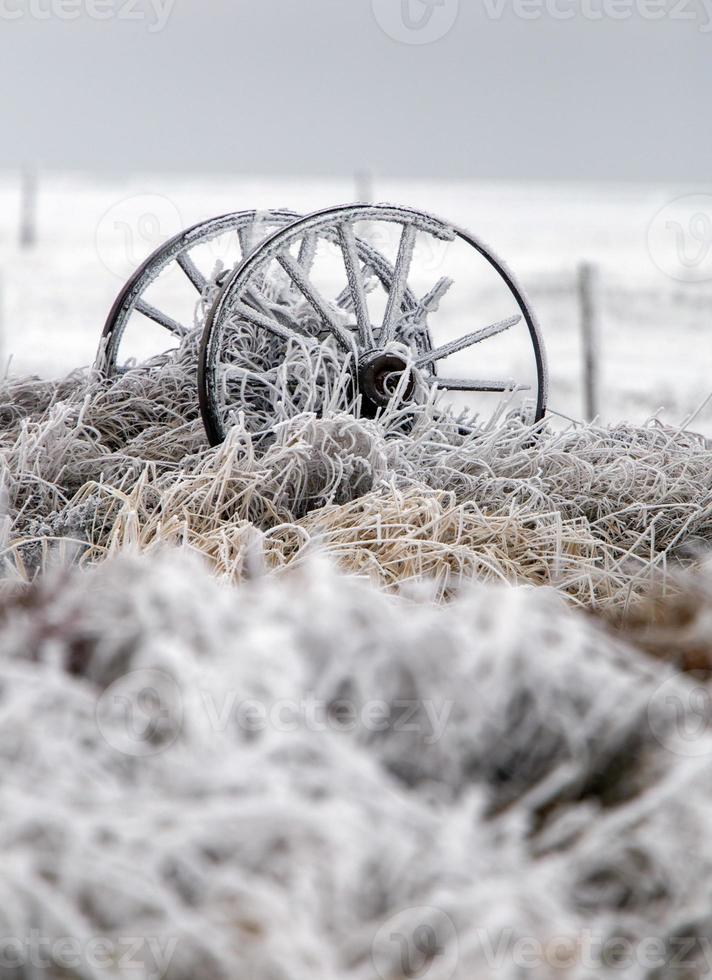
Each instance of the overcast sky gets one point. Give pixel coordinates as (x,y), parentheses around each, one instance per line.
(332,86)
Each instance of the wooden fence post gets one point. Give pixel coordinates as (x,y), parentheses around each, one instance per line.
(28,209)
(363,182)
(588,292)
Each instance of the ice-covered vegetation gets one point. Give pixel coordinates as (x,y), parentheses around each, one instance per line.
(344,697)
(592,511)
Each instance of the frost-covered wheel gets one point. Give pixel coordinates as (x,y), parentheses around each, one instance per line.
(392,344)
(135,310)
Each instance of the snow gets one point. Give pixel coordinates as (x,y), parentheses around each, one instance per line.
(655,346)
(307,778)
(471,756)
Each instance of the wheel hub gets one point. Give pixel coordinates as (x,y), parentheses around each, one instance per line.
(379,375)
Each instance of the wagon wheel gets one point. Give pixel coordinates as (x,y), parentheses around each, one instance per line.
(387,351)
(132,304)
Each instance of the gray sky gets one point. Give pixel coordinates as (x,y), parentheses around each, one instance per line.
(320,86)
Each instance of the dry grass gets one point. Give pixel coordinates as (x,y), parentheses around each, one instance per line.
(598,513)
(562,796)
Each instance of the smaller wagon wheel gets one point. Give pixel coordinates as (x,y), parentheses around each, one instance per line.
(386,349)
(132,304)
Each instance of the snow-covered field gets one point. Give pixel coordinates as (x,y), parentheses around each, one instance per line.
(349,698)
(307,779)
(655,330)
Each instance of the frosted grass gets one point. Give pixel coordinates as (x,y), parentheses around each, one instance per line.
(456,771)
(597,512)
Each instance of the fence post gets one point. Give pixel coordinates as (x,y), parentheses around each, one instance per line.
(588,292)
(28,209)
(363,181)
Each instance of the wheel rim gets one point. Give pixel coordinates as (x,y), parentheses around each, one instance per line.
(251,227)
(370,345)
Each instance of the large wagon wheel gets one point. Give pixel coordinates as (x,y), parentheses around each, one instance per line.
(132,305)
(382,348)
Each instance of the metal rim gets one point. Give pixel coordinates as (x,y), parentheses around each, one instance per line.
(177,249)
(335,224)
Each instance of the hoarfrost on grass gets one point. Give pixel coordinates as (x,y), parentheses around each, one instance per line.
(525,795)
(334,764)
(594,511)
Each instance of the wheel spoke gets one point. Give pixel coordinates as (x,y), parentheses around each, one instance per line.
(280,313)
(430,303)
(345,300)
(467,341)
(161,318)
(192,272)
(266,322)
(317,301)
(354,274)
(254,297)
(400,280)
(244,235)
(307,252)
(476,384)
(252,234)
